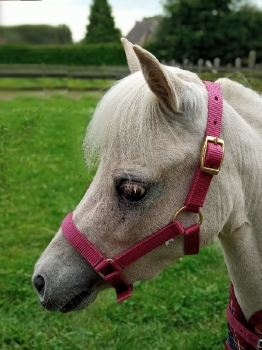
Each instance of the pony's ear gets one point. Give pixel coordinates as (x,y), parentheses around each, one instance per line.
(156,76)
(132,60)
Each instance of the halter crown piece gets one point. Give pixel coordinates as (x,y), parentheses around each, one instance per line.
(210,163)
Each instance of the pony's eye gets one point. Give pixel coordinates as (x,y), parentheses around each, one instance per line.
(131,191)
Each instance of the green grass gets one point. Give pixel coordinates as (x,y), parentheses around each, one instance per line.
(42,178)
(18,83)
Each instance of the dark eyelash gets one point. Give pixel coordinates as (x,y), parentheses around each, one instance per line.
(132,191)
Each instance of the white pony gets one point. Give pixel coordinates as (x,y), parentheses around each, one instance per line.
(147,133)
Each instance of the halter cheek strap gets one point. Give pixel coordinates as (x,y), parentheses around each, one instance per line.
(210,163)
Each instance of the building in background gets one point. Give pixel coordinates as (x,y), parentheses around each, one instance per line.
(143,31)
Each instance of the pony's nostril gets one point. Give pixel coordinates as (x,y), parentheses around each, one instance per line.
(39,284)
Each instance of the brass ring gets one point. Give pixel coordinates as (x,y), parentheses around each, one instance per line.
(200,220)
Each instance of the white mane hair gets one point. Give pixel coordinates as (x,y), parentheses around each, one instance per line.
(244,100)
(129,117)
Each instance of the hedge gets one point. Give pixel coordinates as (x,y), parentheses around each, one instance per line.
(73,55)
(36,34)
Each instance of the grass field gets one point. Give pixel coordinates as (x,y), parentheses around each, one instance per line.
(49,83)
(42,178)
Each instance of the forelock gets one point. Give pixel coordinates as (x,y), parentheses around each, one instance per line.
(128,120)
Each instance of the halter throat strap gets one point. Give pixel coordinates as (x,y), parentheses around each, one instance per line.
(210,163)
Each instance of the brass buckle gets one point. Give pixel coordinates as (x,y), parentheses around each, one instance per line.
(200,220)
(215,140)
(100,273)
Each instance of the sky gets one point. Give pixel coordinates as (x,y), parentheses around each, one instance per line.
(74,13)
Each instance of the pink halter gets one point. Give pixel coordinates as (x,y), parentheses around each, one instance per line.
(210,163)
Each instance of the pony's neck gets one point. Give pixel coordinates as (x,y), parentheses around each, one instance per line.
(241,237)
(244,264)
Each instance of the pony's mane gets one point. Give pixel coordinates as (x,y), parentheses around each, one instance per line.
(128,118)
(246,101)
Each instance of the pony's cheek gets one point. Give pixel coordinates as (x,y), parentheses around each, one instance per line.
(150,265)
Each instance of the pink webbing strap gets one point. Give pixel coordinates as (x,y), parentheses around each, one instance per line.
(243,333)
(80,243)
(215,109)
(110,269)
(123,260)
(95,258)
(214,152)
(248,336)
(149,243)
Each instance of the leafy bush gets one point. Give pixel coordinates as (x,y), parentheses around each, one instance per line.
(36,34)
(208,29)
(73,55)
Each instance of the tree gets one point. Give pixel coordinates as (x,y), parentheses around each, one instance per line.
(36,34)
(207,29)
(101,27)
(64,34)
(244,32)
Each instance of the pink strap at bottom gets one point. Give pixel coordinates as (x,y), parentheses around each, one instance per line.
(248,336)
(227,346)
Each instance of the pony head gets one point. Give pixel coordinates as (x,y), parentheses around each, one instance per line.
(146,136)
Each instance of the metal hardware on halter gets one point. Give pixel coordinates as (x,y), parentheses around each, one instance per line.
(216,141)
(259,344)
(200,220)
(100,273)
(169,241)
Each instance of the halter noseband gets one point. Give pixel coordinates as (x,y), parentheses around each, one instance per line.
(210,163)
